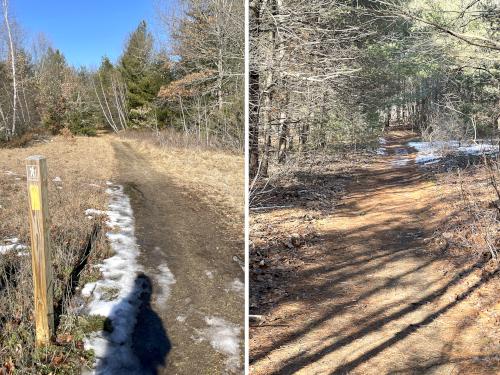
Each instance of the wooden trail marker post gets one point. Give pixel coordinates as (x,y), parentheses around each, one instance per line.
(36,168)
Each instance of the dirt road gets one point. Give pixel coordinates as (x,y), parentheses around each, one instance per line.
(200,304)
(372,298)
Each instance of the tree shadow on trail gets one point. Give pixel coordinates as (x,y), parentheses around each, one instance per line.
(322,190)
(348,279)
(142,349)
(301,360)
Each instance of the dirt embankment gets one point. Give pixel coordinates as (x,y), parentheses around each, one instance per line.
(367,286)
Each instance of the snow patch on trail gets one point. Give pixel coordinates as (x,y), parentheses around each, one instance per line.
(181,318)
(432,152)
(209,274)
(165,279)
(116,296)
(224,338)
(381,150)
(236,286)
(401,159)
(400,162)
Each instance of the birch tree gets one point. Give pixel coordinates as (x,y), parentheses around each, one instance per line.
(12,131)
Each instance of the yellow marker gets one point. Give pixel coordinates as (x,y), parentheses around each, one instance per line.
(35,198)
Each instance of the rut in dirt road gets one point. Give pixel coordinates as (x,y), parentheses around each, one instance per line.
(187,252)
(371,299)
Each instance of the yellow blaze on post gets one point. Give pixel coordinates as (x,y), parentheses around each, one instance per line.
(35,198)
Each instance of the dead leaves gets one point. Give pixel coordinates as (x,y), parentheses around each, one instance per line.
(64,339)
(274,258)
(7,368)
(57,360)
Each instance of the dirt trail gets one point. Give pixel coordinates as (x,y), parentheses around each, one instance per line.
(371,299)
(176,230)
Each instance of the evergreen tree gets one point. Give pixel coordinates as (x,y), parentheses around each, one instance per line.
(141,77)
(82,113)
(52,101)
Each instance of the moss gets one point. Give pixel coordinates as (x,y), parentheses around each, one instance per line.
(90,276)
(110,294)
(91,323)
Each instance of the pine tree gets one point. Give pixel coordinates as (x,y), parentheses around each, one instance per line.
(82,112)
(52,99)
(138,71)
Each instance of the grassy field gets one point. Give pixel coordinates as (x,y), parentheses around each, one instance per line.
(78,171)
(217,175)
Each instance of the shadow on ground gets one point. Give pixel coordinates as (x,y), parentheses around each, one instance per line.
(176,229)
(150,342)
(361,287)
(141,348)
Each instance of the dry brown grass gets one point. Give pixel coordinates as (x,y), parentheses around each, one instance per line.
(171,138)
(471,232)
(217,175)
(83,165)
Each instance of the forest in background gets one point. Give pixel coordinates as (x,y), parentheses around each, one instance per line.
(193,84)
(329,74)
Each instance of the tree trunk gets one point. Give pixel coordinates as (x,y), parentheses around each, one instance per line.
(254,97)
(13,66)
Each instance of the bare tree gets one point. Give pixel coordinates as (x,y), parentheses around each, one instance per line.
(12,130)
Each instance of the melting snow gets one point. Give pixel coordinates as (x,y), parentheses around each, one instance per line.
(236,286)
(116,296)
(400,162)
(381,150)
(224,338)
(12,244)
(92,211)
(432,152)
(165,278)
(57,179)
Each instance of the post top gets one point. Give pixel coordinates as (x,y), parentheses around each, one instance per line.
(35,157)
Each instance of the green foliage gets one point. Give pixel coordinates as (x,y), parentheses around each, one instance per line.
(135,66)
(81,118)
(52,97)
(143,73)
(143,116)
(350,128)
(66,357)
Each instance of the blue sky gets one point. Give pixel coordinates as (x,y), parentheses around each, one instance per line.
(84,30)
